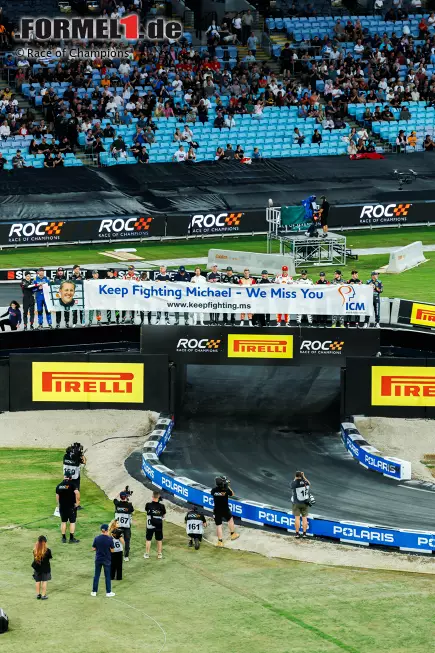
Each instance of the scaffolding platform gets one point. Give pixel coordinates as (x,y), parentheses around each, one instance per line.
(306,250)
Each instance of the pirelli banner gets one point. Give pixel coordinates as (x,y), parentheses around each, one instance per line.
(258,346)
(51,382)
(390,387)
(418,314)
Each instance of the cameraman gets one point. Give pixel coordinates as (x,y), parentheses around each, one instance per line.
(156,512)
(72,461)
(68,500)
(220,493)
(300,500)
(123,514)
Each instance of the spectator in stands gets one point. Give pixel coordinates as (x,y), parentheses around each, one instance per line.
(428,143)
(18,161)
(316,137)
(401,142)
(412,140)
(404,114)
(118,148)
(247,23)
(298,138)
(191,155)
(143,156)
(256,154)
(220,154)
(252,43)
(180,155)
(229,153)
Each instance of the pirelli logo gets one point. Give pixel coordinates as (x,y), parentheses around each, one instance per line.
(252,346)
(403,386)
(423,315)
(88,382)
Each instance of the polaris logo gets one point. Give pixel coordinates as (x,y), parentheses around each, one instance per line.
(378,463)
(354,533)
(426,541)
(352,447)
(275,519)
(174,487)
(148,471)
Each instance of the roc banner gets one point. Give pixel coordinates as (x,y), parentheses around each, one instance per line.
(191,297)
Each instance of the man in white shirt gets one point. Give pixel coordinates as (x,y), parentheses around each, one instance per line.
(5,130)
(180,155)
(177,84)
(124,68)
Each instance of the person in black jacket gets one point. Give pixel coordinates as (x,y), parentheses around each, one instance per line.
(13,317)
(29,287)
(182,277)
(77,277)
(41,567)
(60,276)
(229,277)
(261,319)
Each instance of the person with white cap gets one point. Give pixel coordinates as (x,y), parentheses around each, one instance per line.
(284,277)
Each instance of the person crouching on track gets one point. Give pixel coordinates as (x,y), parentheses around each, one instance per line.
(220,493)
(118,550)
(195,524)
(156,512)
(300,500)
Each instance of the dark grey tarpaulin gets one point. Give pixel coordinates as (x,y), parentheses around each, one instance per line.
(208,186)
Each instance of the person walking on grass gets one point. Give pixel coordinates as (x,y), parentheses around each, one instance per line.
(103,547)
(41,567)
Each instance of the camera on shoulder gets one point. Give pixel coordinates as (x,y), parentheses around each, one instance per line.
(222,482)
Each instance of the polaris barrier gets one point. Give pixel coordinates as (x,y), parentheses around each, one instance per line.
(370,458)
(252,512)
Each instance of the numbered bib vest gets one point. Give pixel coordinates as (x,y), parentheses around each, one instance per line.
(123,519)
(194,527)
(117,545)
(73,470)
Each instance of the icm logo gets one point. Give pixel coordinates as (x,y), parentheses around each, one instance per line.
(148,471)
(322,347)
(31,232)
(275,519)
(192,345)
(174,487)
(113,228)
(210,223)
(377,537)
(375,213)
(426,541)
(356,307)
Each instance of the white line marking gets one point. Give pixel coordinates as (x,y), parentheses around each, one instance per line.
(149,617)
(419,489)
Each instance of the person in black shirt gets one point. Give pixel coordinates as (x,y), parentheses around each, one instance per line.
(156,512)
(195,524)
(261,319)
(77,277)
(68,499)
(214,277)
(354,280)
(324,213)
(143,155)
(220,493)
(162,277)
(182,277)
(300,488)
(229,277)
(41,567)
(322,320)
(29,287)
(123,515)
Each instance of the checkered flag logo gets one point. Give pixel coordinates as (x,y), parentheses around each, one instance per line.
(54,228)
(142,224)
(233,219)
(213,344)
(336,346)
(402,209)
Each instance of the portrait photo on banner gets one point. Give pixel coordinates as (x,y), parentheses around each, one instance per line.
(66,295)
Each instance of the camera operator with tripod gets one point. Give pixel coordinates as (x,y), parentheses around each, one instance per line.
(123,515)
(220,493)
(73,459)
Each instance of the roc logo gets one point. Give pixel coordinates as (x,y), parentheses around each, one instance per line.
(142,224)
(403,386)
(402,210)
(54,228)
(203,345)
(423,314)
(321,346)
(233,219)
(241,346)
(88,382)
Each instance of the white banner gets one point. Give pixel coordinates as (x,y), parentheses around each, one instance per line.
(255,262)
(225,298)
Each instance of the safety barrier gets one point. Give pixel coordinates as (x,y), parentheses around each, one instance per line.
(251,512)
(370,457)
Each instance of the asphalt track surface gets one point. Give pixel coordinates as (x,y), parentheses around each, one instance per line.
(258,425)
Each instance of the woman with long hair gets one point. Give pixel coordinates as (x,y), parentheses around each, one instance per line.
(118,550)
(41,567)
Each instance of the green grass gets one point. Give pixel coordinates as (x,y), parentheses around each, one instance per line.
(205,601)
(415,284)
